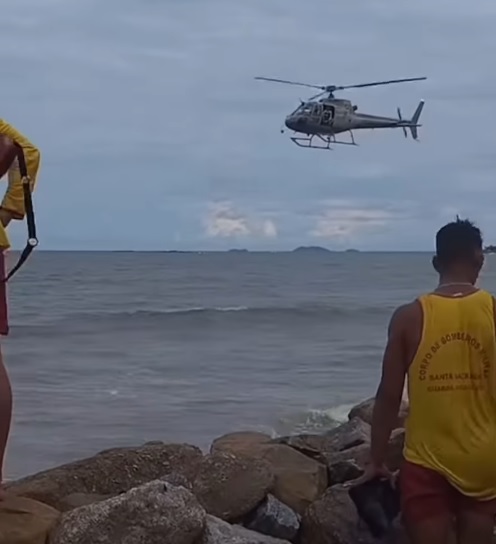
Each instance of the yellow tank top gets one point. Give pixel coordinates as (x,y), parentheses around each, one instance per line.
(451,427)
(14,196)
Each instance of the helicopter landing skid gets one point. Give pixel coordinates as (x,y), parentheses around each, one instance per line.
(328,140)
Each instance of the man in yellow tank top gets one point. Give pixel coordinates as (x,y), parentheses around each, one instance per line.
(444,345)
(12,142)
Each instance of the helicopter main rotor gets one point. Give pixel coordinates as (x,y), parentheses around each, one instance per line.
(332,88)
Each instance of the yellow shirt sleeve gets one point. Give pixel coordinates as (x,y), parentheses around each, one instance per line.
(14,196)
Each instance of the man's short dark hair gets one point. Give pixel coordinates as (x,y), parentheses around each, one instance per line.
(458,241)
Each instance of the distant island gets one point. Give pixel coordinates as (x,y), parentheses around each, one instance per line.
(311,249)
(490,249)
(234,250)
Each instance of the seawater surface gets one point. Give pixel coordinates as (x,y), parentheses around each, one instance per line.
(110,349)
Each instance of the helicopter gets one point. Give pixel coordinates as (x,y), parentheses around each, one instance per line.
(324,118)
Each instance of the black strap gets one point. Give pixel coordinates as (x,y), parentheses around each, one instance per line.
(32,241)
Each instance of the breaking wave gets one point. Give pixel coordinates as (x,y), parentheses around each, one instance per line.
(241,311)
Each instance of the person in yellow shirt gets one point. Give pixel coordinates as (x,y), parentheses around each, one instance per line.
(20,161)
(444,345)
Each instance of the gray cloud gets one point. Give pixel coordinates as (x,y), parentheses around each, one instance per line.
(147,112)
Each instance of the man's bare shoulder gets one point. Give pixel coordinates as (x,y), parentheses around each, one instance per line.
(406,315)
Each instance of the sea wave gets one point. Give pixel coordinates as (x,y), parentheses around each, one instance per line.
(310,310)
(312,420)
(199,315)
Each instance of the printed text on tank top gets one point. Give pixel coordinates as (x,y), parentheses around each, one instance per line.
(454,365)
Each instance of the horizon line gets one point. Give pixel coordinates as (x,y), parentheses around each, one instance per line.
(232,250)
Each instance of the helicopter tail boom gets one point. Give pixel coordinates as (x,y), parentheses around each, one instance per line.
(415,119)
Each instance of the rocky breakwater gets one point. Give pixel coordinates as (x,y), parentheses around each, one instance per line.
(249,489)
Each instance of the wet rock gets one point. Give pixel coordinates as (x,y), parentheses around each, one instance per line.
(150,514)
(178,480)
(348,435)
(365,409)
(347,465)
(220,532)
(310,445)
(341,471)
(345,436)
(239,442)
(230,486)
(25,521)
(274,518)
(299,480)
(333,520)
(110,472)
(343,464)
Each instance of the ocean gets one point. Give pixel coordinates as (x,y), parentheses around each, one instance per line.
(109,349)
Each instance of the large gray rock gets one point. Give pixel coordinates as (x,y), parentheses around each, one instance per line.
(343,437)
(76,500)
(348,435)
(365,409)
(274,518)
(230,486)
(220,532)
(349,464)
(110,472)
(239,442)
(153,513)
(333,519)
(299,479)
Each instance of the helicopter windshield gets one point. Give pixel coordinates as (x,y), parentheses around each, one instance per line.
(304,109)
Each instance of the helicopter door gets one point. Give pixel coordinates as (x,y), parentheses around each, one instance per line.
(317,111)
(328,115)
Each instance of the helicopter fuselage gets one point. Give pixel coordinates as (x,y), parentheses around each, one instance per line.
(333,116)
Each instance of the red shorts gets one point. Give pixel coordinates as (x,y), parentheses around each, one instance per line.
(426,493)
(4,321)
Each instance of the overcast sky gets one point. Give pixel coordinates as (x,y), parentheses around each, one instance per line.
(154,134)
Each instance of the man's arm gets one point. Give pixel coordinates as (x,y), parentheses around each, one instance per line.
(8,153)
(12,205)
(390,390)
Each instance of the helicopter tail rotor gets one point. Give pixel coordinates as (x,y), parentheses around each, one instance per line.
(401,119)
(413,123)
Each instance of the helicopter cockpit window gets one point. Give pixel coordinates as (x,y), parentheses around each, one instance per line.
(302,109)
(317,110)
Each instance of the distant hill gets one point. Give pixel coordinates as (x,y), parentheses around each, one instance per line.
(490,249)
(311,249)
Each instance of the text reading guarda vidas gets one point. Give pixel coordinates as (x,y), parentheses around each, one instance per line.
(450,381)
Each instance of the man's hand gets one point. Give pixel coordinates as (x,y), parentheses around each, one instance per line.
(373,471)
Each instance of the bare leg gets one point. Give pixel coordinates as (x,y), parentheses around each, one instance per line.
(5,414)
(435,530)
(475,528)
